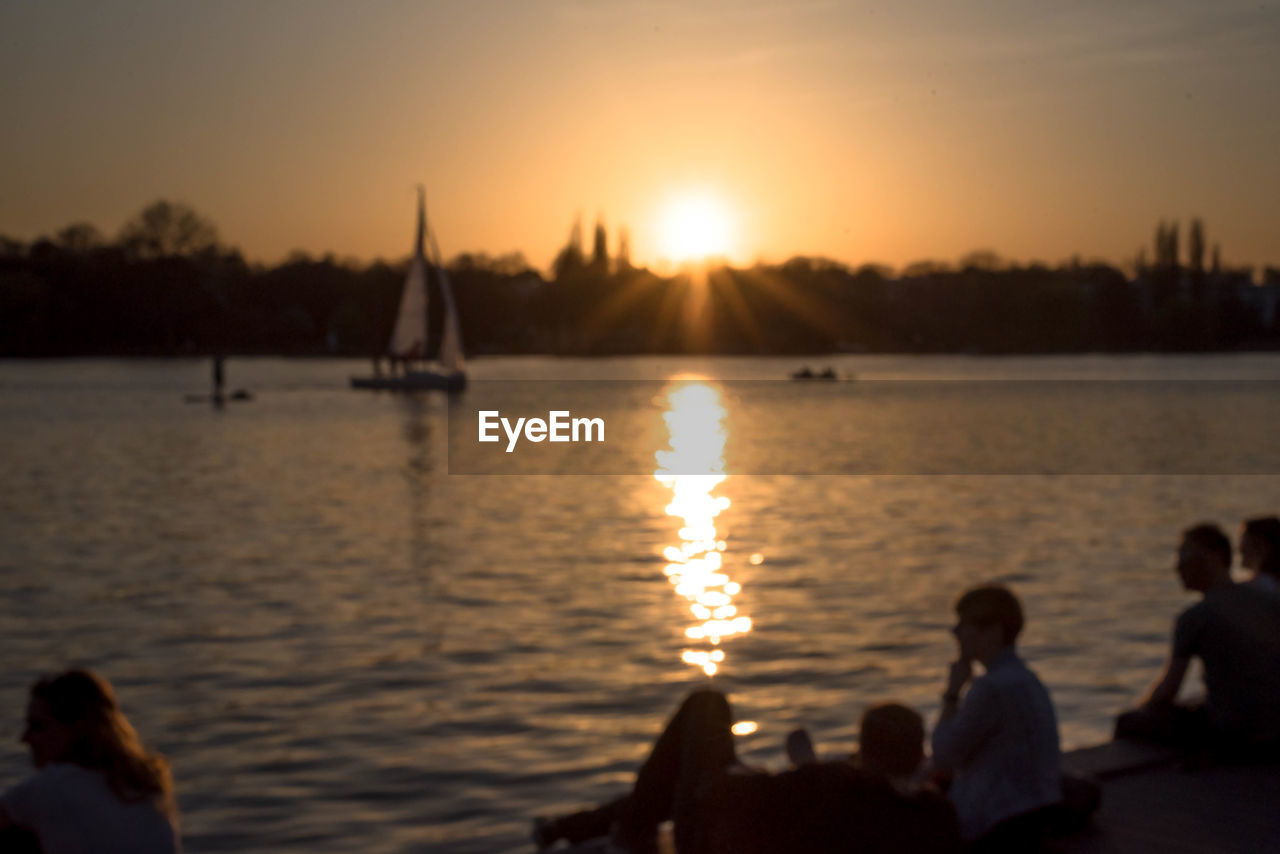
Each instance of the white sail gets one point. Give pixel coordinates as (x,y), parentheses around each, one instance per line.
(409,339)
(451,358)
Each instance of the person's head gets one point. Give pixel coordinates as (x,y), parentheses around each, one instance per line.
(1260,545)
(891,739)
(73,717)
(1204,557)
(990,619)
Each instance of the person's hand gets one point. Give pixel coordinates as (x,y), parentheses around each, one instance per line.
(959,676)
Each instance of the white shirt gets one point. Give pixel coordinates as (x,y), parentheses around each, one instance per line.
(1002,747)
(72,810)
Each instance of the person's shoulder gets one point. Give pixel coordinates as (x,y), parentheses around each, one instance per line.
(1261,589)
(64,771)
(1228,603)
(43,788)
(1197,612)
(66,774)
(53,776)
(1251,605)
(987,688)
(1204,603)
(1009,669)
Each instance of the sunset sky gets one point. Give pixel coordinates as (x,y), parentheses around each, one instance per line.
(863,132)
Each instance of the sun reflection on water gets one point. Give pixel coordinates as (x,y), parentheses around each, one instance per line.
(692,468)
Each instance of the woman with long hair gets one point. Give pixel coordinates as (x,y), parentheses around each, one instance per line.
(95,789)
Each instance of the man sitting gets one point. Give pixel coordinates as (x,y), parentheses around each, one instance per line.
(870,803)
(718,807)
(1235,631)
(1000,743)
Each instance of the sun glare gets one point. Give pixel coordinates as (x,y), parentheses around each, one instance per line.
(695,227)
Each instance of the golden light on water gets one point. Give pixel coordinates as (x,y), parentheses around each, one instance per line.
(692,468)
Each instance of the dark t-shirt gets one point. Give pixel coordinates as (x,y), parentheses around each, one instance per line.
(822,809)
(1235,631)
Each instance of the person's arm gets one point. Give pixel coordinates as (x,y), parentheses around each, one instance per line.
(963,728)
(957,677)
(1165,690)
(1187,634)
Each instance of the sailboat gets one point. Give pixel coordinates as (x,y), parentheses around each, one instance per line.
(408,346)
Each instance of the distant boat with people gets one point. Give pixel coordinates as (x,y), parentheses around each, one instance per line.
(408,368)
(827,373)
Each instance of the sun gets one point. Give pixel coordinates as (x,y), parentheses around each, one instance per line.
(695,227)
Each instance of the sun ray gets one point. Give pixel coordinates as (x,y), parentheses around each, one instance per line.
(730,296)
(796,302)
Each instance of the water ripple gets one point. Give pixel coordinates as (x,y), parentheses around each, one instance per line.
(339,645)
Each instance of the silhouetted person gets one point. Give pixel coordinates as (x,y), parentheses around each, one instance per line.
(695,746)
(218,377)
(1260,552)
(873,802)
(95,788)
(800,748)
(719,807)
(999,743)
(1235,631)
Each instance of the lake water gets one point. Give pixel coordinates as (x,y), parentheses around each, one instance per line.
(342,646)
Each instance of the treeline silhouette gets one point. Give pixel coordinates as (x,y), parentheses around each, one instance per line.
(166,286)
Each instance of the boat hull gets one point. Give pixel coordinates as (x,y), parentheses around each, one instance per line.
(413,381)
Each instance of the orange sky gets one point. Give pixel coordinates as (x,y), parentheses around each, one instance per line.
(858,131)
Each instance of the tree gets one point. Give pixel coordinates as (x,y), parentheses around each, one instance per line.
(10,248)
(624,250)
(166,229)
(511,264)
(600,250)
(78,238)
(1195,246)
(571,259)
(981,259)
(923,268)
(506,264)
(1166,245)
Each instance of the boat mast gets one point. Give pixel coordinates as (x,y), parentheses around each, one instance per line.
(409,339)
(422,222)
